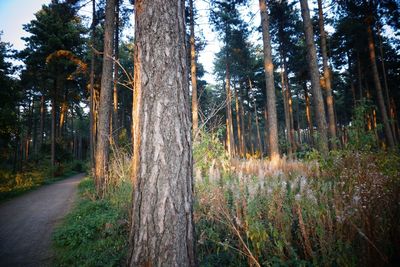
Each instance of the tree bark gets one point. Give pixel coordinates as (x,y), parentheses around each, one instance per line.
(270,88)
(318,101)
(193,72)
(327,79)
(105,103)
(286,110)
(378,87)
(162,232)
(308,114)
(230,139)
(115,124)
(238,123)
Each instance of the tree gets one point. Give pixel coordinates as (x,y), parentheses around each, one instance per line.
(193,75)
(327,78)
(318,101)
(105,103)
(162,230)
(270,88)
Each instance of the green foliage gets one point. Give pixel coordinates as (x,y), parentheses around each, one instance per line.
(95,233)
(360,137)
(34,174)
(208,150)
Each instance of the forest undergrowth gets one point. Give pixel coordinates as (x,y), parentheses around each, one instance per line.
(339,210)
(35,173)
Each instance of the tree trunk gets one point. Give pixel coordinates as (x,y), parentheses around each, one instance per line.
(286,111)
(193,73)
(105,103)
(53,131)
(162,232)
(238,124)
(318,101)
(230,139)
(308,114)
(389,106)
(381,102)
(91,86)
(115,124)
(327,79)
(270,88)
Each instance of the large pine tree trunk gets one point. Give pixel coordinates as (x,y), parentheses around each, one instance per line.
(105,103)
(318,101)
(195,112)
(162,232)
(270,88)
(378,87)
(327,78)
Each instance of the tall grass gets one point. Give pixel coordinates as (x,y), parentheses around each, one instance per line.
(341,211)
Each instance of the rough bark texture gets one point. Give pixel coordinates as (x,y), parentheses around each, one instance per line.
(195,112)
(327,78)
(105,103)
(162,231)
(378,87)
(269,79)
(318,101)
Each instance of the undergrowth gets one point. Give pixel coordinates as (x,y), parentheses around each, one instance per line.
(95,233)
(34,174)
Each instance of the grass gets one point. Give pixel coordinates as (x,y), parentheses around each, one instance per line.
(341,210)
(95,233)
(32,176)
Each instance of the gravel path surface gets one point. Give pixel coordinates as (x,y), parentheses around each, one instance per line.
(27,222)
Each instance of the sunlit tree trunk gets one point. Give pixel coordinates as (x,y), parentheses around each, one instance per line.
(270,88)
(308,113)
(238,124)
(193,72)
(318,101)
(105,103)
(378,87)
(115,123)
(162,230)
(286,110)
(230,139)
(327,79)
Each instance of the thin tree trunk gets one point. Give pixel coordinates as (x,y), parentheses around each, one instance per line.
(270,88)
(162,229)
(193,72)
(381,102)
(115,124)
(105,103)
(53,130)
(230,139)
(314,75)
(91,113)
(327,79)
(286,111)
(353,89)
(308,114)
(238,124)
(392,124)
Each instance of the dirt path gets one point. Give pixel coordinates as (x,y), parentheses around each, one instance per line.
(27,222)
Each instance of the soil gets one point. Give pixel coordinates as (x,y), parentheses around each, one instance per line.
(27,223)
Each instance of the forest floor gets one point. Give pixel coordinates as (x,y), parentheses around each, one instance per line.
(27,223)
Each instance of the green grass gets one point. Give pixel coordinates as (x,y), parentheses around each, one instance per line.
(95,233)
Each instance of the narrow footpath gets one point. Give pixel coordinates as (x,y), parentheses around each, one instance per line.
(27,222)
